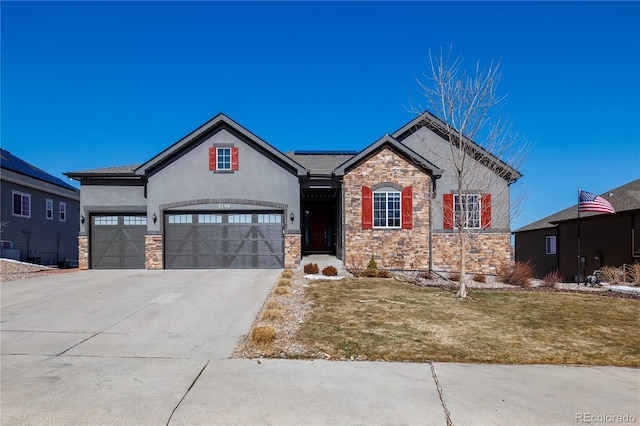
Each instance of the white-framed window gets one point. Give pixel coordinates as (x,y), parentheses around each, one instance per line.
(269,218)
(239,218)
(134,220)
(386,209)
(63,212)
(49,209)
(180,218)
(471,209)
(21,204)
(550,243)
(223,158)
(105,220)
(209,218)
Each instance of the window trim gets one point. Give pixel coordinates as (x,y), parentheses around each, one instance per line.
(62,212)
(220,156)
(547,239)
(23,195)
(477,211)
(387,217)
(48,206)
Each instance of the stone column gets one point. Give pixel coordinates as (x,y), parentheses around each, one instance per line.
(83,252)
(292,250)
(153,252)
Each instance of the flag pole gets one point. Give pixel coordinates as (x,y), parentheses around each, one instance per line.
(579,258)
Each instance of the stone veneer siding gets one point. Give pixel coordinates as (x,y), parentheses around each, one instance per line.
(83,252)
(292,250)
(406,249)
(486,253)
(153,252)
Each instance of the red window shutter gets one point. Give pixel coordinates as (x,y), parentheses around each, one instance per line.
(485,214)
(212,158)
(367,208)
(407,208)
(234,158)
(447,210)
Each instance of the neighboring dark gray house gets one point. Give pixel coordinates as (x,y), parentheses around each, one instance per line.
(551,243)
(40,214)
(221,197)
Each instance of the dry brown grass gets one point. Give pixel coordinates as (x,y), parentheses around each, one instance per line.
(272,314)
(287,273)
(284,282)
(281,290)
(273,304)
(386,320)
(263,334)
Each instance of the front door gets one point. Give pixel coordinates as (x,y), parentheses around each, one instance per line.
(318,220)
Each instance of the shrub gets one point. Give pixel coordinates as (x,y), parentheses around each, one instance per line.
(273,304)
(284,282)
(311,268)
(287,273)
(552,278)
(272,314)
(282,290)
(479,278)
(384,274)
(425,275)
(454,277)
(263,334)
(371,273)
(611,274)
(330,271)
(634,272)
(518,273)
(372,263)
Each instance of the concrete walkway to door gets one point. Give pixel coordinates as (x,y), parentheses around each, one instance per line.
(152,348)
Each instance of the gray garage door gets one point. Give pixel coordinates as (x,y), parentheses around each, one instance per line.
(117,242)
(224,240)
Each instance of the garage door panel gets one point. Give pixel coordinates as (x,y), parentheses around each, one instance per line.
(117,241)
(223,242)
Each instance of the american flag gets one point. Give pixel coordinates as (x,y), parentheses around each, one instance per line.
(589,202)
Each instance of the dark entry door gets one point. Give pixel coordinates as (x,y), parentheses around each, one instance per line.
(318,222)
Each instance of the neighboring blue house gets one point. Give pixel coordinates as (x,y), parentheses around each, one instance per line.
(40,214)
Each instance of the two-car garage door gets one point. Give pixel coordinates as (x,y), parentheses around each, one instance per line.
(191,240)
(223,240)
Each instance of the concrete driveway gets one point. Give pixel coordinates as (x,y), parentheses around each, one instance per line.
(153,347)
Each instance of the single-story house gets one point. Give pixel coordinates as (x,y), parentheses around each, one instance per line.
(221,197)
(551,243)
(40,214)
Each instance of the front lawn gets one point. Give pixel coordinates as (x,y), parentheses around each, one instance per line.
(381,319)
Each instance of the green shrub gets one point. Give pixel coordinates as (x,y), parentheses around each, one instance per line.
(372,263)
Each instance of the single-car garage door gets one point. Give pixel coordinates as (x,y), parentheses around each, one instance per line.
(224,240)
(117,241)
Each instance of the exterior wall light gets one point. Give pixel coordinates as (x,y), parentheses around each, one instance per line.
(154,218)
(82,219)
(292,216)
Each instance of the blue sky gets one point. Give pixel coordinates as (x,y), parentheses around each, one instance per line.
(97,84)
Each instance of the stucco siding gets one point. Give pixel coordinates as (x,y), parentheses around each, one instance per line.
(188,184)
(479,178)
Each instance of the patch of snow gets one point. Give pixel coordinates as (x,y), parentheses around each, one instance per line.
(323,277)
(623,288)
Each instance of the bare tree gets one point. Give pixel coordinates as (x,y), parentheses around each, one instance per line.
(481,146)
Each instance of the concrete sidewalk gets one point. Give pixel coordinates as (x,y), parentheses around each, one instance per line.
(153,348)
